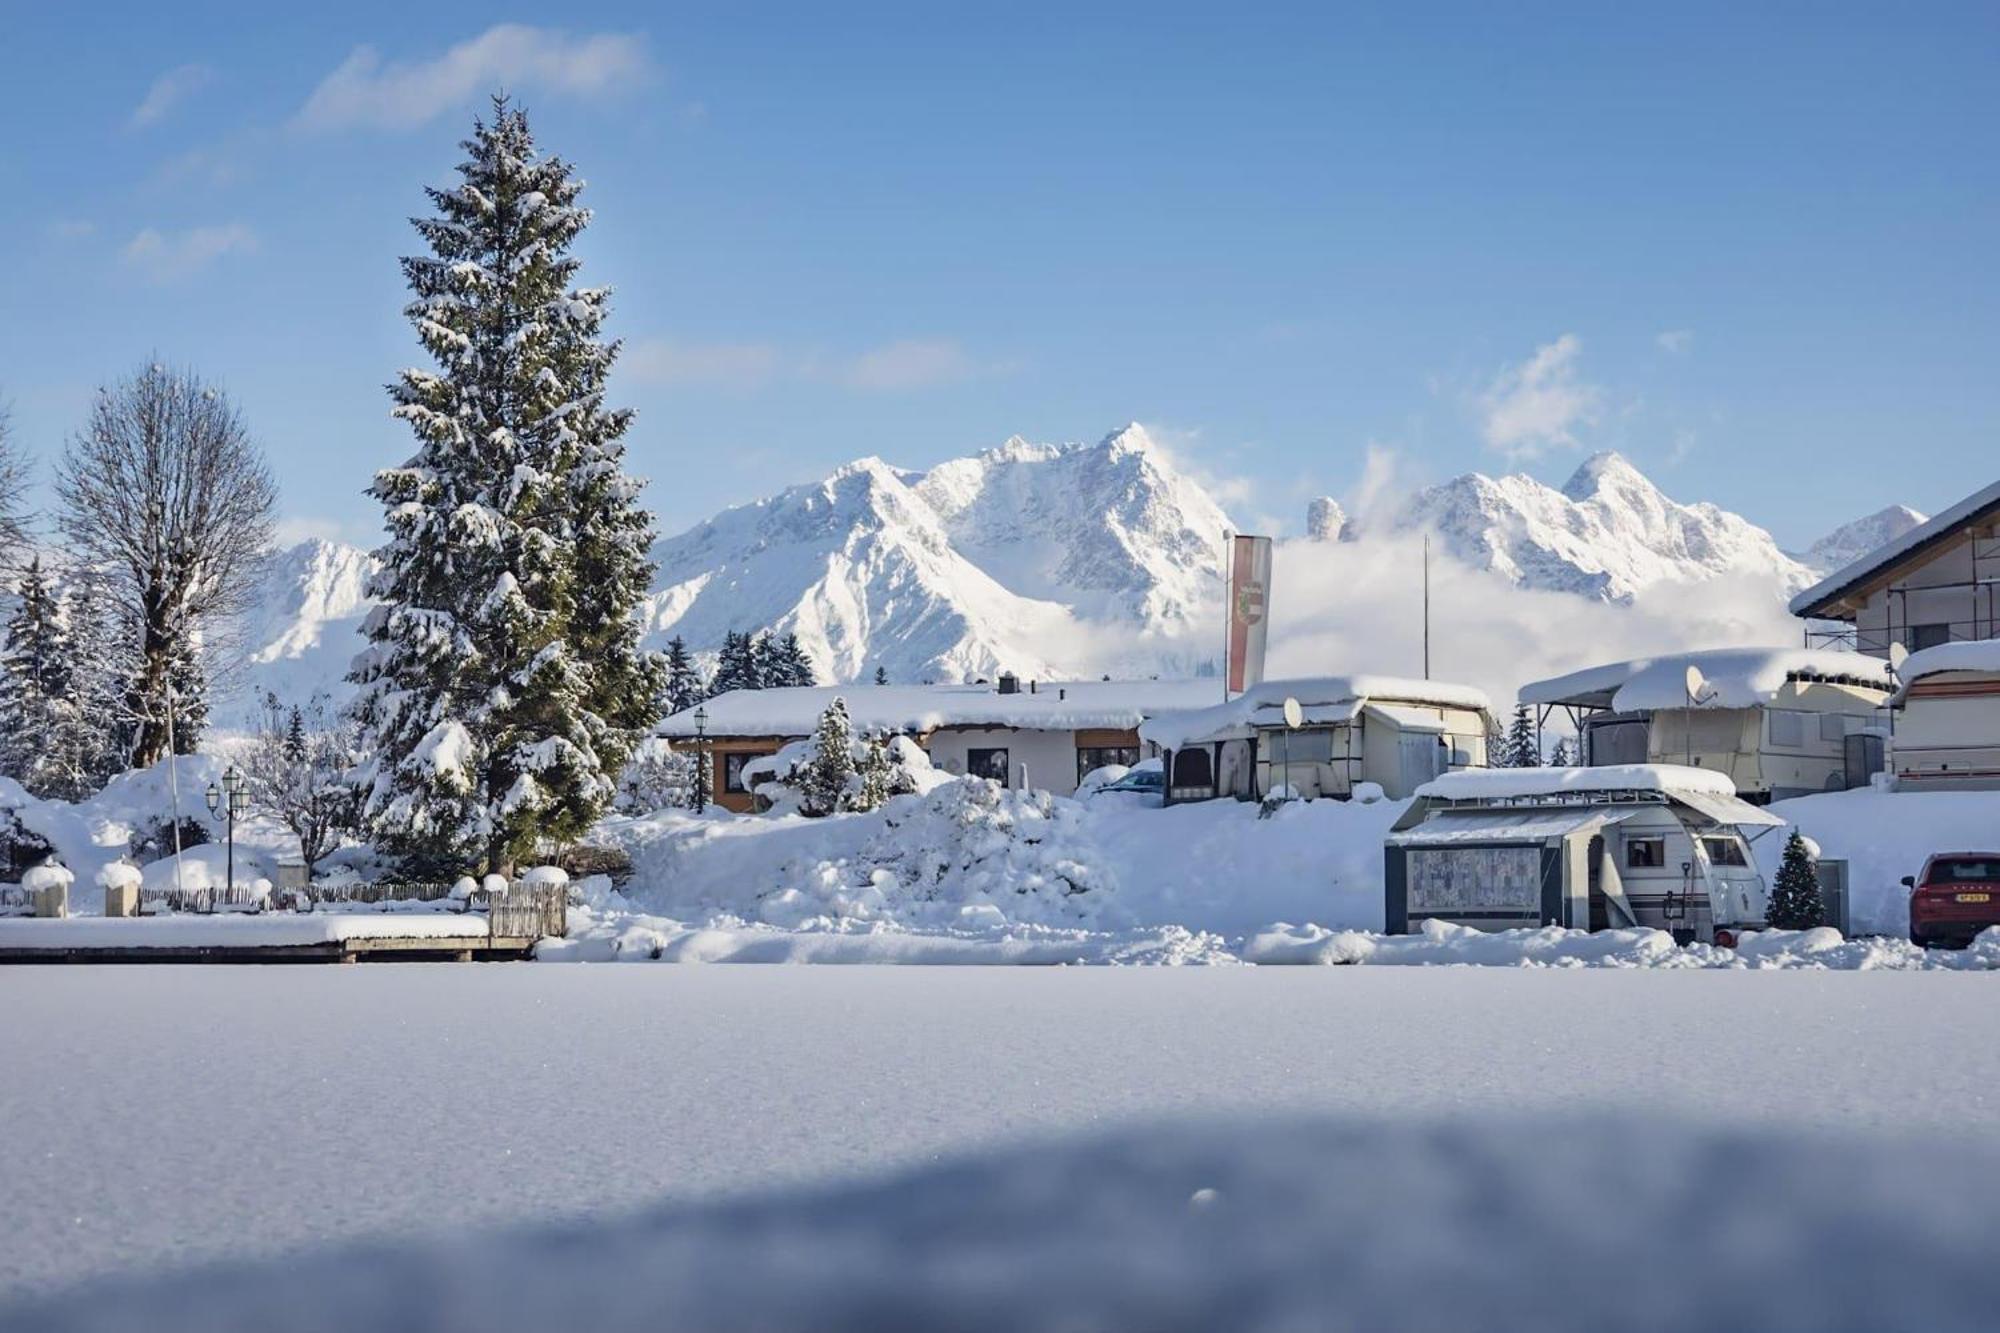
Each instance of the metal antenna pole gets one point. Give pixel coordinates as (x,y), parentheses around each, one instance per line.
(1427,606)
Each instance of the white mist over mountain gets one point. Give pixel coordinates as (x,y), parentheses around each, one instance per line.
(1073,560)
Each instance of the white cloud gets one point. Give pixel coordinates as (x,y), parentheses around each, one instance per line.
(911,363)
(1675,342)
(296,528)
(1540,403)
(369,93)
(169,256)
(1683,448)
(740,365)
(71,229)
(167,92)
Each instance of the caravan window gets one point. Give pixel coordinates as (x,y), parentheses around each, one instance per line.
(1724,851)
(1833,726)
(1787,727)
(1645,853)
(1310,745)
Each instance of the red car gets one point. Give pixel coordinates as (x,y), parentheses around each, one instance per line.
(1956,897)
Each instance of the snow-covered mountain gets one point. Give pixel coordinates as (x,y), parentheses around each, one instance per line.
(306,626)
(1068,560)
(1850,541)
(1042,559)
(1608,533)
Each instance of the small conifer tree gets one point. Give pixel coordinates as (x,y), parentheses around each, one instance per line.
(1795,899)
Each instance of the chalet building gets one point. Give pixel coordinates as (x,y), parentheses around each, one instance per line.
(1778,722)
(1938,583)
(1040,734)
(1395,733)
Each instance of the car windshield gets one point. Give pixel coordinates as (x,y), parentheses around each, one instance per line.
(1966,870)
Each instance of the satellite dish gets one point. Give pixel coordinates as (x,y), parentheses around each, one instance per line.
(1295,716)
(1898,655)
(1696,683)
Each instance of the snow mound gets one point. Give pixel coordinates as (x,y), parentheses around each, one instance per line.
(971,853)
(1612,1222)
(1442,944)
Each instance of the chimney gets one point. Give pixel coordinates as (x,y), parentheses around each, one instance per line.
(1009,683)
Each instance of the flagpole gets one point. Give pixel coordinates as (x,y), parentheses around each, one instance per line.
(1427,606)
(1227,584)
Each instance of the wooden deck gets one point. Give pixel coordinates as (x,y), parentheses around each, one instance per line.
(365,950)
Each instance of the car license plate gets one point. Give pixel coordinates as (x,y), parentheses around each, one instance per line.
(1975,897)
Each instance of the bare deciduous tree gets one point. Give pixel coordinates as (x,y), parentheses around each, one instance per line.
(297,764)
(13,495)
(166,493)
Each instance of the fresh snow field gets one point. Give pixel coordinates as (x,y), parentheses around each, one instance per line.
(165,1117)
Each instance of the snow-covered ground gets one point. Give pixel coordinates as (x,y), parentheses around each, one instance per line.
(171,1116)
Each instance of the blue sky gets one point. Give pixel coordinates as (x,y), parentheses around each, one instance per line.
(1754,251)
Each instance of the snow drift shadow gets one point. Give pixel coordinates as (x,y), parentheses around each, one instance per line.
(1579,1224)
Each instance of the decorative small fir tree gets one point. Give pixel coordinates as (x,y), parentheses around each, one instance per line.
(684,685)
(1521,749)
(823,789)
(877,775)
(1559,757)
(881,675)
(1795,898)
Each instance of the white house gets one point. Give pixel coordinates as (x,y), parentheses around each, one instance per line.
(1042,734)
(1775,721)
(1947,732)
(1937,583)
(1394,732)
(1657,846)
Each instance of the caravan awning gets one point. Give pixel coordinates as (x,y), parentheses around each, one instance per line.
(1459,826)
(1405,718)
(1727,809)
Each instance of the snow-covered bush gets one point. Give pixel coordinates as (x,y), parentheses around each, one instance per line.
(970,853)
(658,777)
(861,773)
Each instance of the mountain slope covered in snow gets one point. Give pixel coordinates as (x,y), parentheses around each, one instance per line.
(1850,541)
(1608,533)
(1072,560)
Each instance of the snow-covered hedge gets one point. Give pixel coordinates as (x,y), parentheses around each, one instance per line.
(794,781)
(970,853)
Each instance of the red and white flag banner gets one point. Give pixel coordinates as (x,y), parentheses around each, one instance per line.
(1249,609)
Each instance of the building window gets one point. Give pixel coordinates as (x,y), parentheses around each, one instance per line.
(1089,757)
(1788,727)
(733,765)
(1927,636)
(989,763)
(1645,853)
(1724,852)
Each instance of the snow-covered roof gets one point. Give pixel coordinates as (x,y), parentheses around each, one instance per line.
(1966,655)
(1065,705)
(1483,784)
(1737,677)
(1816,601)
(1323,700)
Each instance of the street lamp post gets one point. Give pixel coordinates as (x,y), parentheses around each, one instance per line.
(228,803)
(700,760)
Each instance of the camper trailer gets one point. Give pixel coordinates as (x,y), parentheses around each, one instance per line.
(1345,731)
(1588,848)
(1778,722)
(1947,732)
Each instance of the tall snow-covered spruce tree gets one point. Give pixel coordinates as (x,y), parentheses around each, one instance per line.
(504,687)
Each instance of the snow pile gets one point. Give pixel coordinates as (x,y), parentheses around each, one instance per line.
(1615,1221)
(47,876)
(201,868)
(1735,678)
(540,877)
(970,853)
(119,875)
(1441,943)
